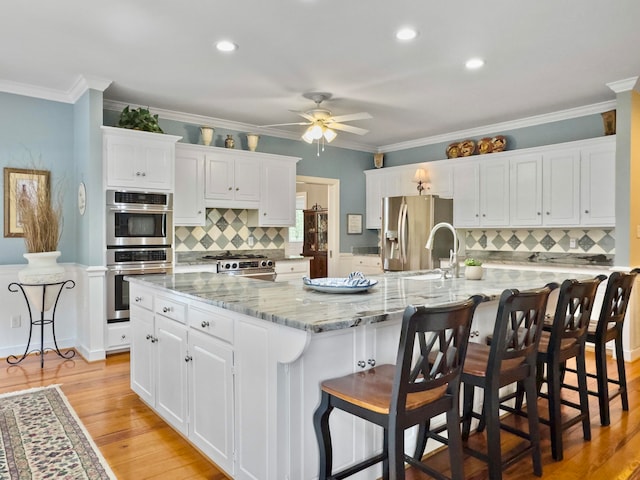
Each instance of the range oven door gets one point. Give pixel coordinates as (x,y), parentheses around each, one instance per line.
(118,288)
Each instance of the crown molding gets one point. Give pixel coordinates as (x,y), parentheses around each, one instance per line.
(623,85)
(79,87)
(231,125)
(503,126)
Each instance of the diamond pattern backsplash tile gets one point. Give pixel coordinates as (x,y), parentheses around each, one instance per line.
(227,229)
(542,240)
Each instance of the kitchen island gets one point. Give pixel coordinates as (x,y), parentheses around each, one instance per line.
(235,364)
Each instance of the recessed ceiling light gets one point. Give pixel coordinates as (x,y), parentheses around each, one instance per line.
(406,33)
(226,46)
(474,63)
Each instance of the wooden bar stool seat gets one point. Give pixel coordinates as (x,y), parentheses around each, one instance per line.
(417,388)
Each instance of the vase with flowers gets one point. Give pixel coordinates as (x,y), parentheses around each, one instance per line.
(40,214)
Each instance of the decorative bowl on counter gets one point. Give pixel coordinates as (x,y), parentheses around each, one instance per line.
(354,283)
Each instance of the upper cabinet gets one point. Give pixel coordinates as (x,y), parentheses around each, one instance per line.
(565,187)
(214,177)
(278,193)
(188,199)
(597,185)
(399,181)
(232,179)
(138,160)
(481,193)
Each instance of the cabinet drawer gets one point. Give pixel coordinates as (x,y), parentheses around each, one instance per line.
(171,308)
(118,335)
(211,322)
(292,267)
(142,298)
(366,261)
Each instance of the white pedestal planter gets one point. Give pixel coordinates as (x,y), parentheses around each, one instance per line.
(42,268)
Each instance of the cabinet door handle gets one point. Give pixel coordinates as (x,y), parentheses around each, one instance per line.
(137,174)
(362,364)
(371,362)
(539,213)
(237,189)
(138,299)
(149,337)
(166,309)
(548,213)
(264,214)
(230,188)
(204,324)
(144,174)
(477,215)
(124,337)
(586,211)
(188,358)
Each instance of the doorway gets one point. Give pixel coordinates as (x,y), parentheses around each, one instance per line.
(330,194)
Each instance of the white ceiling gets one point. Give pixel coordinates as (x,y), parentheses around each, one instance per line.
(541,56)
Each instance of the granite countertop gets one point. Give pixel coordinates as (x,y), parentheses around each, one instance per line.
(294,305)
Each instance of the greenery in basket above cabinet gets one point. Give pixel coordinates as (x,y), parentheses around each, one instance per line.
(139,119)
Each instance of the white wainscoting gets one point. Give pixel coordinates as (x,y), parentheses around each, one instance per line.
(79,321)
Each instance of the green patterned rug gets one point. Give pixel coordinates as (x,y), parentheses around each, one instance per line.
(41,437)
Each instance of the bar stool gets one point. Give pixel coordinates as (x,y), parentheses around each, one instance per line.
(564,340)
(399,396)
(608,328)
(511,358)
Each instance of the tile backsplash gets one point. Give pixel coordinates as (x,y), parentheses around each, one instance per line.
(226,229)
(557,240)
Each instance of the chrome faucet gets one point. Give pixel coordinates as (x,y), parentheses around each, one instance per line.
(453,253)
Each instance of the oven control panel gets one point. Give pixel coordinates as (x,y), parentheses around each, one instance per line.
(228,265)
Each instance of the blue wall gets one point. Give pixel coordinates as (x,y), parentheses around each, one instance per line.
(39,134)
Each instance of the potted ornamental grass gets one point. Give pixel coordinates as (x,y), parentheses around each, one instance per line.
(473,269)
(40,216)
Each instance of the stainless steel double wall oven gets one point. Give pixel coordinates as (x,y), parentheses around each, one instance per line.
(139,242)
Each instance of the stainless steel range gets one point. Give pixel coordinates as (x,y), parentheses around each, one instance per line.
(258,267)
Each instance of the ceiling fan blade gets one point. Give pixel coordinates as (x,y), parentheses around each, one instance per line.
(283,124)
(351,116)
(347,128)
(304,115)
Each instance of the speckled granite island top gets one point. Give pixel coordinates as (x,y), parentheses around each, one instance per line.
(294,305)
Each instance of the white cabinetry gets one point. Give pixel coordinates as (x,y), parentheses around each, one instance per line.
(374,194)
(561,187)
(232,179)
(278,198)
(367,264)
(185,371)
(526,190)
(597,185)
(188,199)
(292,269)
(138,160)
(481,193)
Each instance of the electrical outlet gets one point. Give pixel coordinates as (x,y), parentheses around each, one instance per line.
(250,241)
(572,243)
(15,321)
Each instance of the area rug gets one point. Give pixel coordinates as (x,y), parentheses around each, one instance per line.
(41,437)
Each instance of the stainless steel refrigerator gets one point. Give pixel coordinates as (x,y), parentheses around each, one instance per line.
(406,224)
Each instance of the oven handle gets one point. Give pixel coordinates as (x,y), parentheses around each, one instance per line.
(140,210)
(155,269)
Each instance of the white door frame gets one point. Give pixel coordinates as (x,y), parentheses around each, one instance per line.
(333,210)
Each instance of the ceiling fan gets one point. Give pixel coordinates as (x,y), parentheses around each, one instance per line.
(321,124)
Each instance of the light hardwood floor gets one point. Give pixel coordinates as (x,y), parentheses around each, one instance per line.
(139,445)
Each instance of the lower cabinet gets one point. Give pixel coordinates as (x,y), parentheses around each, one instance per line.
(292,270)
(184,373)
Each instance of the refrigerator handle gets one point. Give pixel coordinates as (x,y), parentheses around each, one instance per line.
(399,230)
(404,235)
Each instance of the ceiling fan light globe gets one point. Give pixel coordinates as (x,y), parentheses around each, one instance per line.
(329,135)
(307,137)
(315,132)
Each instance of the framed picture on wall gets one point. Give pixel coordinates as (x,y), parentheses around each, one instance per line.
(17,180)
(354,223)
